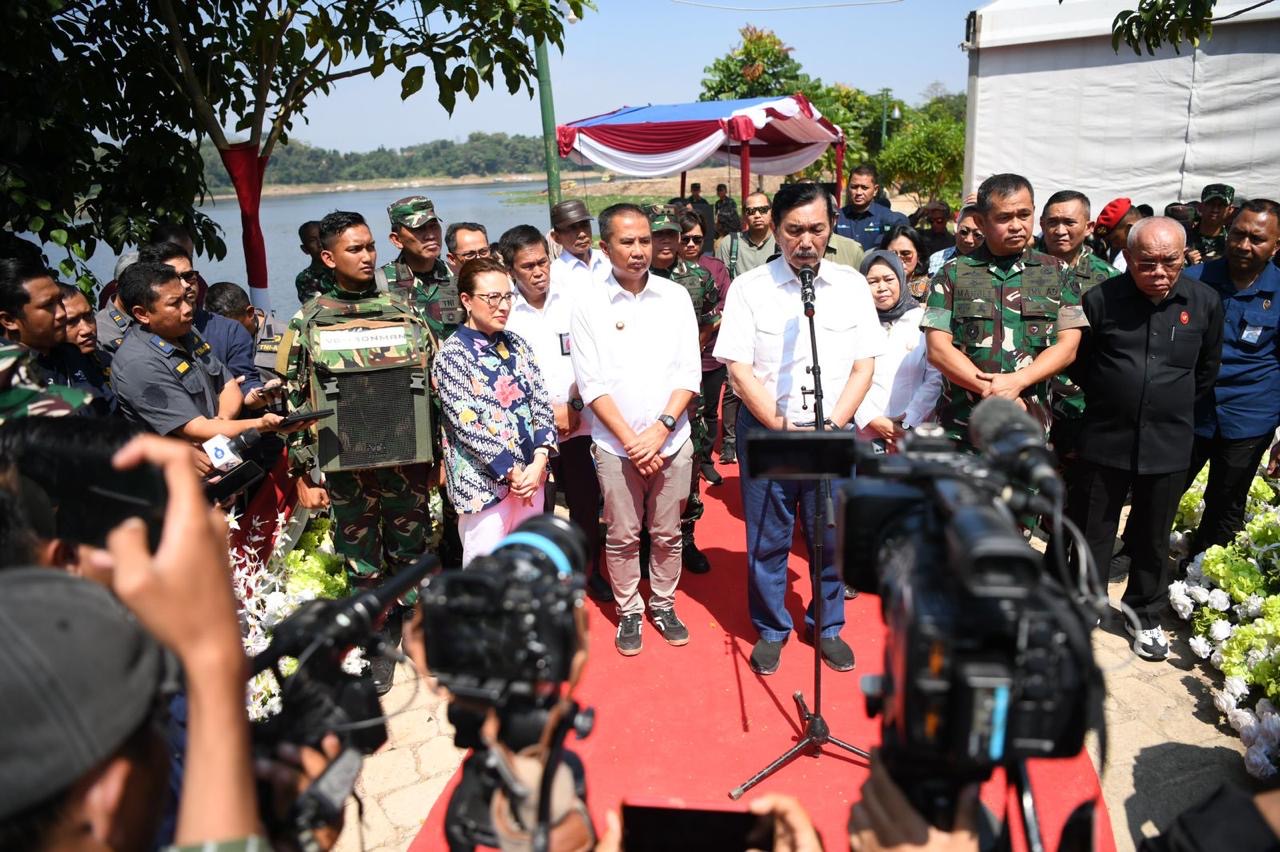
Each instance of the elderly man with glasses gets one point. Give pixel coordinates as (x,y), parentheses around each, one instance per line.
(1152,349)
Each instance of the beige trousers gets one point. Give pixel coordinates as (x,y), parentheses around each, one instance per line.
(633,501)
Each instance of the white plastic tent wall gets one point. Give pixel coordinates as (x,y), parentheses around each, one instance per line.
(1050,99)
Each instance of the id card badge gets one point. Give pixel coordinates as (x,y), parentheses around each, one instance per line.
(564,344)
(1251,334)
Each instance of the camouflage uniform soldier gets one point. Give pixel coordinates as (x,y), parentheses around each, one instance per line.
(1003,320)
(380,514)
(23,392)
(664,222)
(1065,225)
(418,272)
(316,279)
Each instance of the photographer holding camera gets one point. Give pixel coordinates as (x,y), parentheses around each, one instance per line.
(84,764)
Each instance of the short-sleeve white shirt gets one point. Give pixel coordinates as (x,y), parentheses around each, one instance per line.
(764,326)
(547,332)
(637,349)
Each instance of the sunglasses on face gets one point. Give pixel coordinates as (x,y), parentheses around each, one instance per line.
(691,239)
(190,276)
(755,211)
(968,232)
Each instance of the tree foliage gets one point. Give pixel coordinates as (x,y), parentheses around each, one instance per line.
(926,157)
(114,97)
(759,67)
(1173,22)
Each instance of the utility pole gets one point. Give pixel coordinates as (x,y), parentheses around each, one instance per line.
(551,150)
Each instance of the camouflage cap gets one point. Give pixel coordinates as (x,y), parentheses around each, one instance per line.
(1218,190)
(412,212)
(663,217)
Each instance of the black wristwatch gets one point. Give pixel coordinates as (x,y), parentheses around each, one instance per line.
(668,421)
(576,403)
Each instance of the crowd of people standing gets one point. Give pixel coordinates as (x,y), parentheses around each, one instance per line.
(618,373)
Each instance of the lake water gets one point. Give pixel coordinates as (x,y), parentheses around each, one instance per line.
(282,214)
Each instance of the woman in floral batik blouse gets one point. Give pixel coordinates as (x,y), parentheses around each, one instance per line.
(499,428)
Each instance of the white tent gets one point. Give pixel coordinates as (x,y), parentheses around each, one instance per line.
(1050,99)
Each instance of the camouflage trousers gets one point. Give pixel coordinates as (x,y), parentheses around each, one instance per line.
(702,440)
(381,518)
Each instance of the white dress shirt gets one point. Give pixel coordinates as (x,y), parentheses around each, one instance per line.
(547,331)
(571,273)
(764,326)
(905,385)
(637,349)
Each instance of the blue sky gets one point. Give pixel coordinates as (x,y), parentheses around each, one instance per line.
(632,52)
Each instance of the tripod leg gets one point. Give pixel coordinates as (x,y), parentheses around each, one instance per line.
(836,741)
(790,755)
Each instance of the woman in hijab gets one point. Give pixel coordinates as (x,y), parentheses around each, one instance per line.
(905,388)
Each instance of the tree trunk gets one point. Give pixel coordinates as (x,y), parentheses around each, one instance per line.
(246,169)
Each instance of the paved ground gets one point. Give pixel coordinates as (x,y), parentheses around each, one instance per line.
(1165,750)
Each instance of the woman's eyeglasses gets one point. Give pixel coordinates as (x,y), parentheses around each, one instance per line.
(495,299)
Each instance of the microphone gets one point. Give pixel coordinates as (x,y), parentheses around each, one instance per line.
(225,453)
(806,276)
(1014,441)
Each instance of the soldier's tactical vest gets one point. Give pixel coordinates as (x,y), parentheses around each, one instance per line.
(448,302)
(1040,296)
(370,362)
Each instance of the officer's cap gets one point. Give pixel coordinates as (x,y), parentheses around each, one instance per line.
(412,212)
(78,676)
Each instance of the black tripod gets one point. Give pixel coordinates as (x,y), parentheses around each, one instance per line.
(816,732)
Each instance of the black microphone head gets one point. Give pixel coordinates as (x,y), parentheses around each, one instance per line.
(995,415)
(806,275)
(246,439)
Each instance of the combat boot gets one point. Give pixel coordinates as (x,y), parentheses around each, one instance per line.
(692,559)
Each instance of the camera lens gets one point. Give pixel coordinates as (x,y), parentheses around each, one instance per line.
(557,539)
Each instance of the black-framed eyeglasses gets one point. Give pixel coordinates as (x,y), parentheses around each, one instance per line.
(495,299)
(751,211)
(691,239)
(474,253)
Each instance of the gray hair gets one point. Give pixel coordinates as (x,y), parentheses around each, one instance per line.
(1141,226)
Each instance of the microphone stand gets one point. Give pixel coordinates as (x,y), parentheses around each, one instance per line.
(816,731)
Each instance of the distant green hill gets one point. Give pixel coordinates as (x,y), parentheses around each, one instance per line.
(480,154)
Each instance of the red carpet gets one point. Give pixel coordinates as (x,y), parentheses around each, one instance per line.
(691,723)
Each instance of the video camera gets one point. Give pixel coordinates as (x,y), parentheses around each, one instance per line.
(987,658)
(504,636)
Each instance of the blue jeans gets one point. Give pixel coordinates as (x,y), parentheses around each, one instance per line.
(771,507)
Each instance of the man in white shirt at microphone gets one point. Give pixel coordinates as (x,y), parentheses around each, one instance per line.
(764,340)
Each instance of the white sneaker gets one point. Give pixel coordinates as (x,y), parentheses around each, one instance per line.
(1150,644)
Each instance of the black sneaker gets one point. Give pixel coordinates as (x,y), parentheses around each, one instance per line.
(765,656)
(729,458)
(837,654)
(628,639)
(1149,644)
(710,474)
(598,588)
(670,626)
(383,672)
